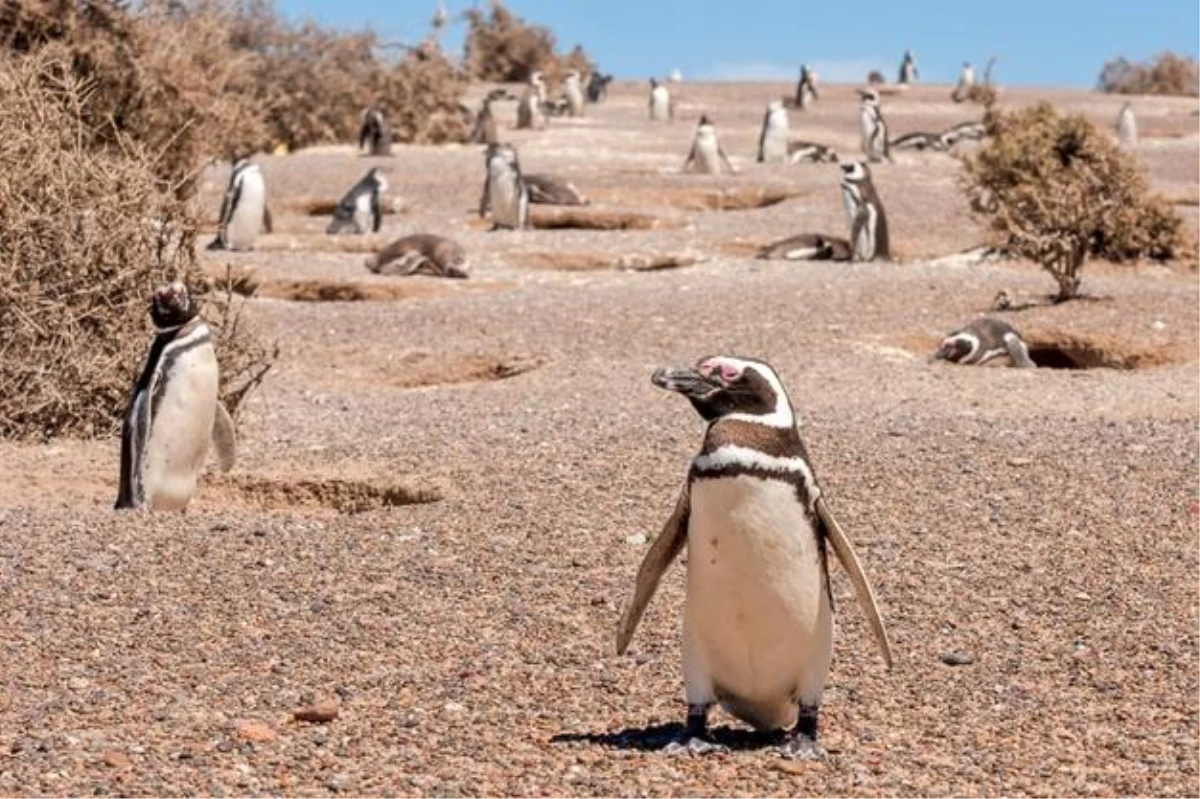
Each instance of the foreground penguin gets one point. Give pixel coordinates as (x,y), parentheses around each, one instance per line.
(420,253)
(662,106)
(864,211)
(806,88)
(872,127)
(362,208)
(908,68)
(504,191)
(244,211)
(758,622)
(773,140)
(173,413)
(1127,132)
(375,135)
(982,341)
(707,155)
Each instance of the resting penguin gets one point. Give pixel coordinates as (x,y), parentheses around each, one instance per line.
(773,141)
(806,88)
(868,222)
(244,210)
(551,190)
(173,413)
(806,151)
(420,253)
(662,105)
(504,191)
(873,127)
(808,247)
(919,141)
(361,210)
(964,131)
(707,155)
(758,620)
(375,135)
(984,340)
(531,110)
(908,68)
(1127,133)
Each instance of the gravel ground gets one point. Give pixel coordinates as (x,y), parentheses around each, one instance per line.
(440,501)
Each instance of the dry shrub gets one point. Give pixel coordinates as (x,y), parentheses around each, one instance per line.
(1167,73)
(503,48)
(1056,190)
(85,235)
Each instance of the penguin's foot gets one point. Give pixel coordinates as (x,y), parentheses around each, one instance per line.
(693,746)
(802,747)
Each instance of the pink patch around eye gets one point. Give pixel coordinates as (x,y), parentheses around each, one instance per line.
(730,372)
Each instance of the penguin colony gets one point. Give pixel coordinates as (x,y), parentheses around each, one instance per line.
(751,512)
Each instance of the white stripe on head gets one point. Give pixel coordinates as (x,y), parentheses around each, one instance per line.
(971,339)
(781,416)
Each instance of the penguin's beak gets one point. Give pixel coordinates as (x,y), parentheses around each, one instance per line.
(687,382)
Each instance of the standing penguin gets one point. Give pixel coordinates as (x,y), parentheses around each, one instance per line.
(173,413)
(806,87)
(597,87)
(773,141)
(868,222)
(984,340)
(244,211)
(758,620)
(504,190)
(573,89)
(966,80)
(531,110)
(707,155)
(361,210)
(873,127)
(662,106)
(908,68)
(1127,133)
(483,131)
(375,134)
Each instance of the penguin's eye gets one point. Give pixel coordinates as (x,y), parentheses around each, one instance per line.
(726,372)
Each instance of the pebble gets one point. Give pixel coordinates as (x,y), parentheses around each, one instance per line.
(115,759)
(255,732)
(321,713)
(957,658)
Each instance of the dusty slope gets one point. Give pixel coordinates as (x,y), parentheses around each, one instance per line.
(1044,523)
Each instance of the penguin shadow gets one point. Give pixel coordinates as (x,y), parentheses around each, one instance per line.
(658,736)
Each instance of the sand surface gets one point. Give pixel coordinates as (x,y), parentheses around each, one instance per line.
(444,487)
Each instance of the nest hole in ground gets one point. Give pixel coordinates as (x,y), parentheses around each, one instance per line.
(1057,349)
(733,198)
(595,219)
(248,284)
(417,369)
(342,495)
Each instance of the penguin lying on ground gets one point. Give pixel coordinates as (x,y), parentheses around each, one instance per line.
(420,253)
(984,340)
(551,190)
(758,620)
(173,413)
(810,152)
(808,247)
(361,209)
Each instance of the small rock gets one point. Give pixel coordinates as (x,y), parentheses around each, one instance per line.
(255,732)
(957,658)
(1020,461)
(115,759)
(637,539)
(320,713)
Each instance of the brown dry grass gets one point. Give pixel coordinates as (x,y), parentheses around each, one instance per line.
(1167,74)
(503,48)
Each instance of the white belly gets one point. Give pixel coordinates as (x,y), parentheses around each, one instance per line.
(757,628)
(708,155)
(774,144)
(866,126)
(502,194)
(575,99)
(245,223)
(659,104)
(362,213)
(181,431)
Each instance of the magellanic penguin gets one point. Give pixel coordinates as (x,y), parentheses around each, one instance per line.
(773,140)
(808,247)
(504,191)
(872,127)
(707,155)
(597,87)
(919,141)
(531,110)
(984,340)
(552,190)
(361,210)
(420,253)
(864,210)
(375,134)
(806,88)
(173,413)
(244,212)
(573,89)
(964,131)
(966,79)
(908,68)
(1127,132)
(810,152)
(662,104)
(758,620)
(483,131)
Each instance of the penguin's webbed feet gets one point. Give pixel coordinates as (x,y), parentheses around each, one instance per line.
(694,740)
(802,747)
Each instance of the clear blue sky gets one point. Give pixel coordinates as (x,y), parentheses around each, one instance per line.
(1043,42)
